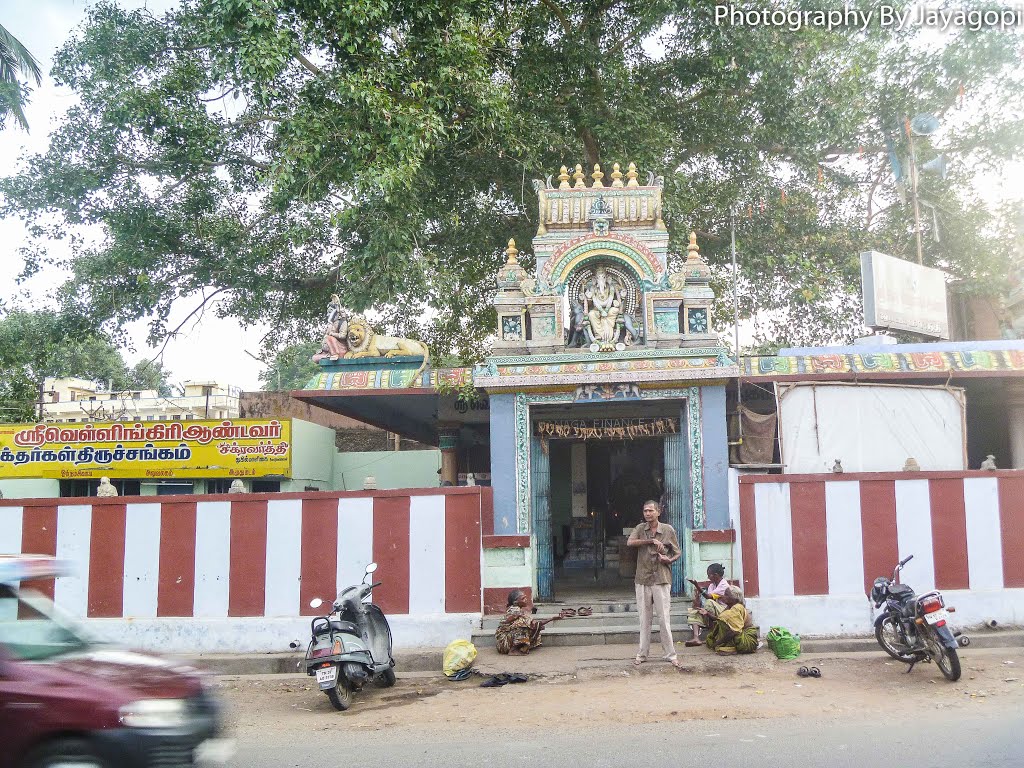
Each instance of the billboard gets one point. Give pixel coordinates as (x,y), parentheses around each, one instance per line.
(140,450)
(903,296)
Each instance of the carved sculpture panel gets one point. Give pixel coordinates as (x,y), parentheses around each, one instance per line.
(603,300)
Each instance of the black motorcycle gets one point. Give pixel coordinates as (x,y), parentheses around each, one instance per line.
(915,628)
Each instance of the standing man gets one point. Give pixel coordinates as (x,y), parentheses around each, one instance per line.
(659,548)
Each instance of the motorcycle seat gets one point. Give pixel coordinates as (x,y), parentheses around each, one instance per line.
(901,591)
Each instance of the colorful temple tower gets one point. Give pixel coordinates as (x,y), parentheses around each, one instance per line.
(605,385)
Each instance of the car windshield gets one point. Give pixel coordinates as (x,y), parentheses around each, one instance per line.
(28,629)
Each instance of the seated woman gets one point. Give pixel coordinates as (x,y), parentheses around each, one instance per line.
(518,634)
(707,599)
(733,630)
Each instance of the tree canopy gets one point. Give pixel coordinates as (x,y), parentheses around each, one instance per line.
(16,64)
(292,367)
(42,344)
(266,153)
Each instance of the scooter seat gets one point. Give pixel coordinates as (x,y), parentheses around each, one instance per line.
(323,626)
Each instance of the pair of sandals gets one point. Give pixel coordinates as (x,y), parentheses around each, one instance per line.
(809,672)
(583,610)
(503,679)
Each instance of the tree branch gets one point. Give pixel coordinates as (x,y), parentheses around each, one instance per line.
(562,18)
(308,64)
(202,305)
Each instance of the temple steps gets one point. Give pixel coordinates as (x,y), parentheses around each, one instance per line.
(612,623)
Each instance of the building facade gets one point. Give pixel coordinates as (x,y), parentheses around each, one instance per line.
(76,400)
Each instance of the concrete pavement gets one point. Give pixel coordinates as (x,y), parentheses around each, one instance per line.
(557,660)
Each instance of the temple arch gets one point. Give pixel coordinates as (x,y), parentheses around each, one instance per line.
(633,254)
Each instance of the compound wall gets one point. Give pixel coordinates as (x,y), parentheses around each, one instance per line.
(811,545)
(235,573)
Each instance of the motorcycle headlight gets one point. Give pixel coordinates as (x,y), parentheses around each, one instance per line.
(155,713)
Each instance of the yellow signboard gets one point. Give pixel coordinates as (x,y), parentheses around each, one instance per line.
(166,449)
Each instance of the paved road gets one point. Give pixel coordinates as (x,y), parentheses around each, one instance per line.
(940,740)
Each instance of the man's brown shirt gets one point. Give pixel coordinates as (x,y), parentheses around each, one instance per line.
(649,569)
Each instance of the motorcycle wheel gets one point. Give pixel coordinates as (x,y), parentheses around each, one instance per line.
(340,696)
(887,633)
(387,678)
(949,663)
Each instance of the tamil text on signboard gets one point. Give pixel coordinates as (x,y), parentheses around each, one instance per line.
(232,448)
(607,429)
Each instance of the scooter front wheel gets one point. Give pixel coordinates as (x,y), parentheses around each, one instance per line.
(340,696)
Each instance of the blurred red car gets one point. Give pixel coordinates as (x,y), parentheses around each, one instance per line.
(69,701)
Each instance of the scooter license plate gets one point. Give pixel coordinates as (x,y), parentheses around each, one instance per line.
(934,618)
(327,677)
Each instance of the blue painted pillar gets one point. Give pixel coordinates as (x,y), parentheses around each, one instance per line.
(677,498)
(540,486)
(715,444)
(503,464)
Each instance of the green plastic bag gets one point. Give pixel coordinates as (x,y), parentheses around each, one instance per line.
(784,644)
(459,655)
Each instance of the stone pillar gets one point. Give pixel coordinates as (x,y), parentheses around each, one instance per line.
(449,443)
(1015,421)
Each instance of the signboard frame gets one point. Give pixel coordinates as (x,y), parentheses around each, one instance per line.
(148,450)
(904,296)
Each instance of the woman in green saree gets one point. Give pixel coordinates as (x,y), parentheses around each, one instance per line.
(733,630)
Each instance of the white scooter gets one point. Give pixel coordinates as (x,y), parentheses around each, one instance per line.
(351,646)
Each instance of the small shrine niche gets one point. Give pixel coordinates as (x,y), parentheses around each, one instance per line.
(604,300)
(601,282)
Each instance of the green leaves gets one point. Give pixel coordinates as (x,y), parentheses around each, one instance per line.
(277,151)
(37,345)
(16,63)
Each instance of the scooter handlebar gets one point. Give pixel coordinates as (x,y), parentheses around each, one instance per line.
(376,584)
(906,560)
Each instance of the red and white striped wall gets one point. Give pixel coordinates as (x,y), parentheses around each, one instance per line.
(184,566)
(811,545)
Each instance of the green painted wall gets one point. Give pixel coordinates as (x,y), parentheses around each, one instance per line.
(393,469)
(30,489)
(507,568)
(313,454)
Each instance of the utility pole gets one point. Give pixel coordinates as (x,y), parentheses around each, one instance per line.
(913,194)
(736,323)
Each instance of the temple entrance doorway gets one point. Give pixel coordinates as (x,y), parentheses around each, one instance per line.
(598,488)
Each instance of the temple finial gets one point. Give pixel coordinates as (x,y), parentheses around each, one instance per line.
(616,175)
(631,175)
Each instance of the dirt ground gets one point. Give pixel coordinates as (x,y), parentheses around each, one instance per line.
(604,687)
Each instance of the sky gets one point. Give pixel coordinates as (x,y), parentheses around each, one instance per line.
(212,349)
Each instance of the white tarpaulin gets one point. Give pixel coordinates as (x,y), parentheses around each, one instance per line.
(870,428)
